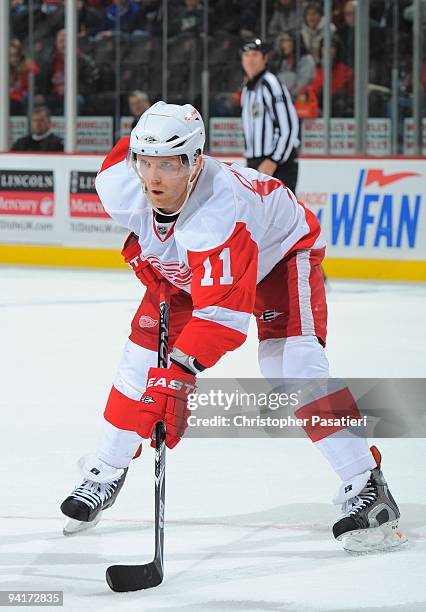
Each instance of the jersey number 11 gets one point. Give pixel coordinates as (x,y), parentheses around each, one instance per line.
(226,278)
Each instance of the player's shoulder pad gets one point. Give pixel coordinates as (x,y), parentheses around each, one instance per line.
(116,182)
(210,215)
(117,154)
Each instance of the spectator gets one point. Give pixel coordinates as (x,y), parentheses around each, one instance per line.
(138,102)
(284,18)
(379,73)
(124,11)
(233,17)
(88,19)
(184,49)
(41,138)
(313,28)
(51,6)
(405,94)
(296,67)
(149,19)
(337,14)
(246,15)
(342,81)
(20,70)
(18,7)
(51,80)
(227,104)
(47,22)
(190,19)
(19,18)
(346,33)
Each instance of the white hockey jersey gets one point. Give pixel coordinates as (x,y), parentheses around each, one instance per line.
(235,227)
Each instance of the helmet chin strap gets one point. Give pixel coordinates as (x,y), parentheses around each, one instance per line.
(190,186)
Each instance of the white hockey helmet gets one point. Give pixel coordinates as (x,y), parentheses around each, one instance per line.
(169,129)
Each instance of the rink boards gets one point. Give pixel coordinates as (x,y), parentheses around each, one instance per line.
(372,211)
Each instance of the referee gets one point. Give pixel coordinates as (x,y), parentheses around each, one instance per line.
(270,122)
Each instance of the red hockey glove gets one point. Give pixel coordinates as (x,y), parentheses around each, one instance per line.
(165,399)
(147,274)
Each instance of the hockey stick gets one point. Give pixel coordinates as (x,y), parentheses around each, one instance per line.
(123,578)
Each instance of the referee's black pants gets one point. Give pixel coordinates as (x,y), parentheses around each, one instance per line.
(286,172)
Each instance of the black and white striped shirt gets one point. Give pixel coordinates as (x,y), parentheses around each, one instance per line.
(270,121)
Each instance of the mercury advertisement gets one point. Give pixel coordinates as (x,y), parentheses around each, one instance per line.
(372,210)
(27,204)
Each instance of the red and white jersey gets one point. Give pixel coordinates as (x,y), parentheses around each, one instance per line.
(235,227)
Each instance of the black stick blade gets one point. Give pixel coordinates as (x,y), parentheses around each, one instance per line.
(123,578)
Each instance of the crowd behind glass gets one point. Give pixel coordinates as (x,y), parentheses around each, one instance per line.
(120,46)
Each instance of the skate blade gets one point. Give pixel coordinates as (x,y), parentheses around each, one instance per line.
(386,538)
(73,527)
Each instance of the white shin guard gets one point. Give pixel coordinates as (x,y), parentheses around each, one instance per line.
(132,370)
(118,446)
(304,357)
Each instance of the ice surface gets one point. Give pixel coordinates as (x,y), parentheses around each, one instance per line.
(247,522)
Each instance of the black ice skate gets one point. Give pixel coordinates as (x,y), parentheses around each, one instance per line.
(370,514)
(98,491)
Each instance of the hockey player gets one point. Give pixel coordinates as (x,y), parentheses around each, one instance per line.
(231,242)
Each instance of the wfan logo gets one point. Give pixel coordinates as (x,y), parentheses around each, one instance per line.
(376,214)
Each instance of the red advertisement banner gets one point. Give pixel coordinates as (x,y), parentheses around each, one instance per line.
(86,205)
(27,203)
(83,200)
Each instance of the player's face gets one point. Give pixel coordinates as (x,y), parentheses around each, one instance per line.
(166,180)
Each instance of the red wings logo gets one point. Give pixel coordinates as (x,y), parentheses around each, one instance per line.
(147,321)
(177,273)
